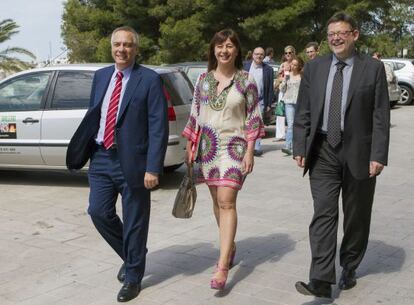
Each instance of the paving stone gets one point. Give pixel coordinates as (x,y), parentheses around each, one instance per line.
(50,247)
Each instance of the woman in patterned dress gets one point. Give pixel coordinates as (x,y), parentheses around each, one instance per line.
(225,115)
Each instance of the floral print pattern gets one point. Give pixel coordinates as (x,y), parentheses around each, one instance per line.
(227,123)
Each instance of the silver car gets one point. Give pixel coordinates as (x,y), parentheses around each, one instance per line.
(394,90)
(40,110)
(404,70)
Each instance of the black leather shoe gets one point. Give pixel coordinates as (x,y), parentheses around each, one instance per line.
(121,274)
(316,288)
(347,280)
(128,292)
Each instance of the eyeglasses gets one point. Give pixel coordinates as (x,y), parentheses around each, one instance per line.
(340,34)
(286,53)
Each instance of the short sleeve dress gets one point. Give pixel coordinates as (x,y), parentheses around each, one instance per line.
(226,122)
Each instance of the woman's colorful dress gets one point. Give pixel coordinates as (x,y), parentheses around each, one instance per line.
(226,122)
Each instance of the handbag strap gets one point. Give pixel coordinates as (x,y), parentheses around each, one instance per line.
(190,171)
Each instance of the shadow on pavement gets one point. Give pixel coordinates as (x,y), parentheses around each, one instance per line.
(44,178)
(172,180)
(254,251)
(379,261)
(175,260)
(372,263)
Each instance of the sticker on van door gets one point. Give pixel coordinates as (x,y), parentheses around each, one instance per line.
(8,129)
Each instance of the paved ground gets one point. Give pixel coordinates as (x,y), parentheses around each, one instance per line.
(51,254)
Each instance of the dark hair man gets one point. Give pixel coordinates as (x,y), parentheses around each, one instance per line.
(341,135)
(312,50)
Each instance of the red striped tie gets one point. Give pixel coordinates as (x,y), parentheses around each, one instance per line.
(112,112)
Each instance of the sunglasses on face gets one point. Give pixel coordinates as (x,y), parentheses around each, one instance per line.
(286,53)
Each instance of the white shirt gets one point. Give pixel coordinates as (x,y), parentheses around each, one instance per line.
(257,72)
(105,104)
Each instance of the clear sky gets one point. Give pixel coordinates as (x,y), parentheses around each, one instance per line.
(39,21)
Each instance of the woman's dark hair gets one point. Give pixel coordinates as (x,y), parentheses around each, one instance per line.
(341,16)
(221,37)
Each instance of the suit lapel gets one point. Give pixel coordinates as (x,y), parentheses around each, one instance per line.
(133,82)
(357,72)
(102,86)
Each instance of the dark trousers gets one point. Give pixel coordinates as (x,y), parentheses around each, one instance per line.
(127,237)
(329,175)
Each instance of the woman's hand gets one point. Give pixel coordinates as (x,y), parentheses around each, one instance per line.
(247,162)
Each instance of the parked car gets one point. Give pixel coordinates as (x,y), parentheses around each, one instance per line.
(394,90)
(40,110)
(404,70)
(192,68)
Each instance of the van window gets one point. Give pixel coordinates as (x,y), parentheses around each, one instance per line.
(24,93)
(179,88)
(73,90)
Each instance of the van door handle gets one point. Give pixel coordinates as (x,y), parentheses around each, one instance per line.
(30,120)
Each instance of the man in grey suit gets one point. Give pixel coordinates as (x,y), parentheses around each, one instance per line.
(341,135)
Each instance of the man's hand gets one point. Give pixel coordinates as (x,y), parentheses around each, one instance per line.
(150,180)
(300,161)
(375,168)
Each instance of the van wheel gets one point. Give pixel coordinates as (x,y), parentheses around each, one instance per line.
(406,96)
(170,169)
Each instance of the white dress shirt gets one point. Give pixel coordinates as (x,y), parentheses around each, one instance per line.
(105,104)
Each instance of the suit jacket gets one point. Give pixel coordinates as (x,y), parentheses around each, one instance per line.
(268,93)
(141,131)
(367,113)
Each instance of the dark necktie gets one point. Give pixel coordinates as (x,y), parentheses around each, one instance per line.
(112,112)
(335,105)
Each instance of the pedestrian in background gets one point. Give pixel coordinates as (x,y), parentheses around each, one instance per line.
(341,135)
(312,50)
(290,89)
(262,73)
(226,112)
(269,56)
(284,69)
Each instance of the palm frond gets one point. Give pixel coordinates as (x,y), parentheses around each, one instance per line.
(7,29)
(14,64)
(17,50)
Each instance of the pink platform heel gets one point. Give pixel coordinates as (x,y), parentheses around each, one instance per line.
(215,283)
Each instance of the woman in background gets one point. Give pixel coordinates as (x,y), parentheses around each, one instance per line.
(290,88)
(284,69)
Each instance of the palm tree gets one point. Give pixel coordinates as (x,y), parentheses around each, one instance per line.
(8,60)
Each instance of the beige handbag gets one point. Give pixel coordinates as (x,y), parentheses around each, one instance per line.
(186,196)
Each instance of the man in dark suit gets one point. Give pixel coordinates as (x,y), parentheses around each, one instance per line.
(125,134)
(263,75)
(341,135)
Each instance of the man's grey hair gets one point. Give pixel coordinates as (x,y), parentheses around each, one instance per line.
(135,37)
